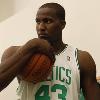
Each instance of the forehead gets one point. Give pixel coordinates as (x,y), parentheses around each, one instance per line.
(46,12)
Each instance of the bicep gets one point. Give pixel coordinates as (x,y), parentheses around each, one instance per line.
(8,53)
(5,55)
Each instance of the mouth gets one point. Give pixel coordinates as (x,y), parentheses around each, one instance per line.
(43,36)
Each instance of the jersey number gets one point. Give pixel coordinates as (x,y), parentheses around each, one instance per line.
(43,92)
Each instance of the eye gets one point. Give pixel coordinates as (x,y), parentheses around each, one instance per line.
(47,21)
(37,21)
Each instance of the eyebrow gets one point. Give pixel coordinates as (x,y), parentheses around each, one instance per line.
(50,18)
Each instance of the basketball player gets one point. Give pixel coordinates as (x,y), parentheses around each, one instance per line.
(73,69)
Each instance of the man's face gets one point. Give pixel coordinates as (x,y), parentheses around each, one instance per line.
(48,25)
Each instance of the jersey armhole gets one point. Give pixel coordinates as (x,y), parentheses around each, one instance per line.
(76,56)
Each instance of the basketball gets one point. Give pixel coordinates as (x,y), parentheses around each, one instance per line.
(37,69)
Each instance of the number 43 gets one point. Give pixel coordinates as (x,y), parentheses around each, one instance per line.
(43,92)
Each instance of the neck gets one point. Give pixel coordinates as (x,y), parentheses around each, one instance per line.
(58,47)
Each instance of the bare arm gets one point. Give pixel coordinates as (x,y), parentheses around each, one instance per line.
(89,85)
(15,58)
(11,65)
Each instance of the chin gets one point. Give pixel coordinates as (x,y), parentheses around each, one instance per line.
(46,38)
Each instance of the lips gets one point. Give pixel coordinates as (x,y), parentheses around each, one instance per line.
(42,35)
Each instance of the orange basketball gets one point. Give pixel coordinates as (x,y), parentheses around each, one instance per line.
(37,69)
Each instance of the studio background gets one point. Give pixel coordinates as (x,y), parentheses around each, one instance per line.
(17,26)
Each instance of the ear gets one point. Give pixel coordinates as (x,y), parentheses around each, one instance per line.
(63,23)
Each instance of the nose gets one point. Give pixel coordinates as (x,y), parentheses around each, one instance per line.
(41,26)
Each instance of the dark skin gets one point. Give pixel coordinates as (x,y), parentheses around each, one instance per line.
(49,30)
(89,83)
(15,58)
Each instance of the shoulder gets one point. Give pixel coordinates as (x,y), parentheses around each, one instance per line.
(86,61)
(9,52)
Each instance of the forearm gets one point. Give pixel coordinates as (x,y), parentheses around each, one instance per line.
(11,67)
(8,71)
(14,60)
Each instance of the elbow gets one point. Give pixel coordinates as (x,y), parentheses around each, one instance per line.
(3,85)
(5,81)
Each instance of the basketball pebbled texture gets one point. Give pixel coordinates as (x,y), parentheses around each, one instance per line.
(37,69)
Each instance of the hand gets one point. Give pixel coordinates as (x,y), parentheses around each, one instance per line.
(41,46)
